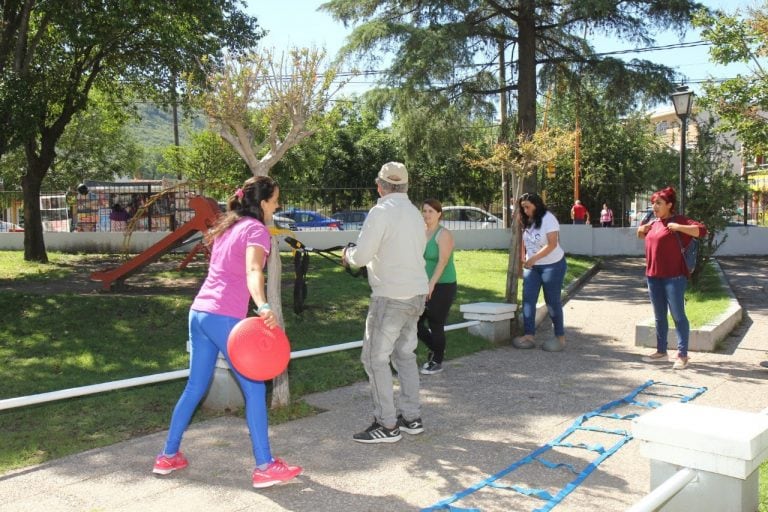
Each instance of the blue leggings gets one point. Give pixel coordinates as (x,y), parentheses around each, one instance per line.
(551,278)
(208,333)
(669,293)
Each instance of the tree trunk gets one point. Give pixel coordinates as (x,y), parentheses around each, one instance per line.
(526,77)
(31,184)
(34,242)
(514,265)
(281,391)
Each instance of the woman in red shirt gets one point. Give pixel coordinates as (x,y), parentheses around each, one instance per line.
(667,273)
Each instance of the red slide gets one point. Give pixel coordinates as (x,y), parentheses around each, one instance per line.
(206,211)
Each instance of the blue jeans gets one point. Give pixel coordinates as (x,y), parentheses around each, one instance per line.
(208,335)
(551,278)
(669,294)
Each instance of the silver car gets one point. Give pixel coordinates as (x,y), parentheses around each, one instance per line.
(469,217)
(352,219)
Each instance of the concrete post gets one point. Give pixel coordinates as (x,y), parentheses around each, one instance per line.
(224,392)
(494,319)
(725,447)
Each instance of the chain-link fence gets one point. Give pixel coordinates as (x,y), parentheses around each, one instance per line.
(164,206)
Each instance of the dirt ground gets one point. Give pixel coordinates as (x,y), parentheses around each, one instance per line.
(162,276)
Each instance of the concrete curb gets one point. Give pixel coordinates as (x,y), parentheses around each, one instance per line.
(703,339)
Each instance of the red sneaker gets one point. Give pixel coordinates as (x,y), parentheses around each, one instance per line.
(165,464)
(277,472)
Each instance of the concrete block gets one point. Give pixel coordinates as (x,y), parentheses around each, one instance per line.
(224,392)
(495,332)
(488,318)
(732,443)
(488,308)
(495,319)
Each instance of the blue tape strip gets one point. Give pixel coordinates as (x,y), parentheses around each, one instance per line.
(578,424)
(536,493)
(616,431)
(555,465)
(616,416)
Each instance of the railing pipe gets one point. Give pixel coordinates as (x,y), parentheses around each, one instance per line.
(359,343)
(22,401)
(665,492)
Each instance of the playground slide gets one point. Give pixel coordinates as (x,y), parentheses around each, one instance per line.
(206,211)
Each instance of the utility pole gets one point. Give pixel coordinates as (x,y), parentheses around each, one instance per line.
(577,162)
(504,135)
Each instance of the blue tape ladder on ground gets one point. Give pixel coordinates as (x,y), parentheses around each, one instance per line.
(601,453)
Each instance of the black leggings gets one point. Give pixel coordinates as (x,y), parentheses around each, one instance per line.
(431,326)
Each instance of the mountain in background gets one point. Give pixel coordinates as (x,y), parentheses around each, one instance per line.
(153,132)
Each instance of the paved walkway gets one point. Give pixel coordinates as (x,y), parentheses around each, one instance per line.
(483,413)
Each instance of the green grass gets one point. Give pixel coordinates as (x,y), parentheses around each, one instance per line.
(708,300)
(763,487)
(53,342)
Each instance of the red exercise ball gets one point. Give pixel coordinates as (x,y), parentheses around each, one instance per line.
(256,351)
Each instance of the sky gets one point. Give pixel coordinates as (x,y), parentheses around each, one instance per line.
(299,23)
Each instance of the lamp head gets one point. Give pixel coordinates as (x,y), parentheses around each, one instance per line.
(682,100)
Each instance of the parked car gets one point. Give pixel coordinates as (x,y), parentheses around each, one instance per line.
(278,219)
(469,217)
(6,227)
(352,219)
(283,222)
(640,218)
(307,220)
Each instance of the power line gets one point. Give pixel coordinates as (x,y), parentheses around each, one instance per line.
(675,46)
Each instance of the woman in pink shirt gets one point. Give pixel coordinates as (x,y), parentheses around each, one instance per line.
(240,243)
(667,273)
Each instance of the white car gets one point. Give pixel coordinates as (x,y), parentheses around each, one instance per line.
(469,217)
(10,227)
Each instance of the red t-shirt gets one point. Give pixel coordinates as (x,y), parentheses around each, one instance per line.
(663,257)
(579,212)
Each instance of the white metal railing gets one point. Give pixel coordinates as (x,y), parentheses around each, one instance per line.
(669,489)
(11,403)
(665,492)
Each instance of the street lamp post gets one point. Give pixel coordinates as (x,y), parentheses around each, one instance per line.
(682,100)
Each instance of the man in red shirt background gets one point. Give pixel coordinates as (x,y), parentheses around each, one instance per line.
(579,213)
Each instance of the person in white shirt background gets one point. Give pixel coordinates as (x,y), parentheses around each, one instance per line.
(544,266)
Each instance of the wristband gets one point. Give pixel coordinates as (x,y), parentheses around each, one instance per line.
(263,307)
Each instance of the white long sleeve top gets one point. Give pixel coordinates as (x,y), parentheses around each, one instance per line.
(391,245)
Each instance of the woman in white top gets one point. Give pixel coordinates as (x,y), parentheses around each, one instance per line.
(544,266)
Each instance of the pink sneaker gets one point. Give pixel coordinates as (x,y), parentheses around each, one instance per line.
(277,472)
(165,464)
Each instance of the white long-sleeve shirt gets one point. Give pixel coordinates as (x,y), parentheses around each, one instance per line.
(391,246)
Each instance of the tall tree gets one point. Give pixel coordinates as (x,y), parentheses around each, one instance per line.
(264,103)
(208,161)
(453,47)
(52,54)
(337,164)
(740,103)
(619,154)
(714,190)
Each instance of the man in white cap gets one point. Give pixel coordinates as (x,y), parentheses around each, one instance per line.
(391,245)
